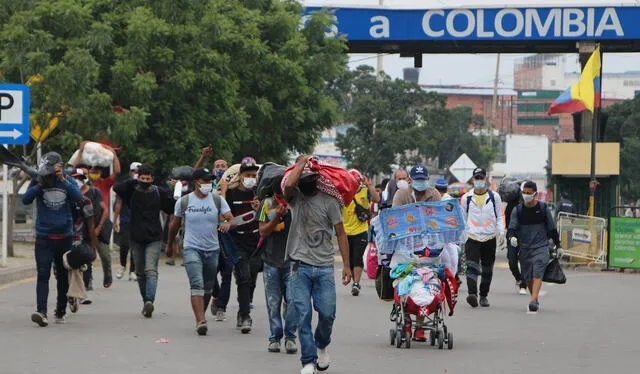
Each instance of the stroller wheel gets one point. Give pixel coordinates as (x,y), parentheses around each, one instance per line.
(441,339)
(392,336)
(450,341)
(399,340)
(432,338)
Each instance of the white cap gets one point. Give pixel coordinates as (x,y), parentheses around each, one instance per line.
(134,166)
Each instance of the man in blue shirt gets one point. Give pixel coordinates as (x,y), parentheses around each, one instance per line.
(55,195)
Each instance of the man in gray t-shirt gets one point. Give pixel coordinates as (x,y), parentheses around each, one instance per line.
(200,211)
(315,216)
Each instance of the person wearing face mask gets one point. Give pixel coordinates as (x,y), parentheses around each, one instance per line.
(145,201)
(241,198)
(198,214)
(482,209)
(122,227)
(55,194)
(530,228)
(421,189)
(99,176)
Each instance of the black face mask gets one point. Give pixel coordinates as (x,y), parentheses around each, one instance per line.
(144,185)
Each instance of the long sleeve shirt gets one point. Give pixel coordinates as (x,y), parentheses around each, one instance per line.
(55,203)
(484,220)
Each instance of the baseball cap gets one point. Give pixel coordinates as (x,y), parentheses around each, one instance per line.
(479,172)
(78,173)
(202,173)
(419,172)
(441,183)
(48,163)
(248,163)
(134,166)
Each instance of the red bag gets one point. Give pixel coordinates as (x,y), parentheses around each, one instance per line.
(372,260)
(334,181)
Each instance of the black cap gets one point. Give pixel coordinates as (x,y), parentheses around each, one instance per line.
(48,163)
(202,173)
(479,172)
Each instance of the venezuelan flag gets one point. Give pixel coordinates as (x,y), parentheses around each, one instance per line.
(585,94)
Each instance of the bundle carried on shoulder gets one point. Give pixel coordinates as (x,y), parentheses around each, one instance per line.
(182,173)
(267,175)
(509,189)
(94,154)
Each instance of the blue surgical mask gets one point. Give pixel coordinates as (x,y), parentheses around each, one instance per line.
(480,184)
(420,185)
(219,174)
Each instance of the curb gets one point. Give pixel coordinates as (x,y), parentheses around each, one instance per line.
(17,274)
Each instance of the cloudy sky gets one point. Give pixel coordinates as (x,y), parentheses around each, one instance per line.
(454,69)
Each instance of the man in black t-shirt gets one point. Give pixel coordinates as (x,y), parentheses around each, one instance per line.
(145,201)
(242,201)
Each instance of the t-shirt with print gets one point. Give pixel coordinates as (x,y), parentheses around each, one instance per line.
(274,246)
(82,211)
(352,225)
(200,221)
(312,226)
(246,235)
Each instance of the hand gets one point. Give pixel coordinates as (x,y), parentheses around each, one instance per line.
(116,226)
(366,181)
(225,227)
(346,275)
(207,151)
(304,159)
(255,204)
(97,230)
(514,241)
(59,172)
(281,210)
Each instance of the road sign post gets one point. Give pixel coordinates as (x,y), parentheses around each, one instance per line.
(15,105)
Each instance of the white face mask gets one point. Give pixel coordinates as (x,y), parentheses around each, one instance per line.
(480,184)
(206,189)
(185,187)
(135,176)
(528,198)
(402,185)
(79,183)
(249,183)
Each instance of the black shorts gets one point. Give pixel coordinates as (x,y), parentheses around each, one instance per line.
(357,246)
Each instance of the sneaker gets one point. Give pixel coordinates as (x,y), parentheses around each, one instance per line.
(245,327)
(355,289)
(472,300)
(290,346)
(274,347)
(73,304)
(308,369)
(201,328)
(108,280)
(61,320)
(86,301)
(523,291)
(534,306)
(220,316)
(40,319)
(120,273)
(147,310)
(484,302)
(323,360)
(170,262)
(133,277)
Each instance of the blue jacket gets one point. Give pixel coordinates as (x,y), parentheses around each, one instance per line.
(54,206)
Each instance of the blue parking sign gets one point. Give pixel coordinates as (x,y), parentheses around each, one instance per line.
(15,106)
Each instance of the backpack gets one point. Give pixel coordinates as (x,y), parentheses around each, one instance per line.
(363,214)
(184,204)
(492,199)
(543,211)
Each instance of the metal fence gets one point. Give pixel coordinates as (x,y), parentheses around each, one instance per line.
(583,238)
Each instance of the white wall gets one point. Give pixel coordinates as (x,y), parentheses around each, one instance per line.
(526,155)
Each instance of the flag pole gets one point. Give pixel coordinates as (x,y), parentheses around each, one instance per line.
(593,182)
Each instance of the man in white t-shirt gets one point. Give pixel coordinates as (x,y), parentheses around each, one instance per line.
(200,211)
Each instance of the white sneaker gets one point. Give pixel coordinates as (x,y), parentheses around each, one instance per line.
(120,273)
(308,369)
(523,291)
(323,360)
(133,277)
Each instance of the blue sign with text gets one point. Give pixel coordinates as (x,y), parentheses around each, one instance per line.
(500,24)
(15,106)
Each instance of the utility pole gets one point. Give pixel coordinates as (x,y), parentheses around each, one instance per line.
(379,67)
(494,104)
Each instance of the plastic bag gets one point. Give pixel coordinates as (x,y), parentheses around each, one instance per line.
(372,260)
(94,154)
(268,173)
(509,190)
(182,173)
(553,273)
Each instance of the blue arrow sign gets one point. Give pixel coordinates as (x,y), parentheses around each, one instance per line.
(15,105)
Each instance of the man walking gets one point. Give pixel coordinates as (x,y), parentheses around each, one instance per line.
(55,196)
(315,215)
(356,224)
(275,222)
(513,251)
(198,214)
(145,201)
(122,226)
(565,205)
(530,229)
(484,225)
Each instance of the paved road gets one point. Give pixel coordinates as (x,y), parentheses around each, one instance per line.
(588,326)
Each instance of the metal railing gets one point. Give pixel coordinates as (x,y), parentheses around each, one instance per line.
(583,237)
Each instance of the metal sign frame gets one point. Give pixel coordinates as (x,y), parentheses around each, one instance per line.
(14,131)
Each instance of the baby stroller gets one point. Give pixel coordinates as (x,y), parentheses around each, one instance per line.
(419,311)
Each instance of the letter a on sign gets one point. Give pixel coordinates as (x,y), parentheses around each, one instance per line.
(14,113)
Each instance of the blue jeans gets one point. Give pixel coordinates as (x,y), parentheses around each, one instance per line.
(276,289)
(312,283)
(202,267)
(47,252)
(146,257)
(512,255)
